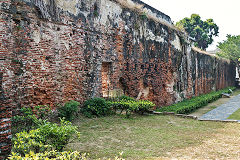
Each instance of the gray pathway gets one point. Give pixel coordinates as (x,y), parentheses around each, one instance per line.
(223,111)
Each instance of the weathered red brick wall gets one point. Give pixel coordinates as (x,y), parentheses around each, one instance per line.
(52,51)
(6,81)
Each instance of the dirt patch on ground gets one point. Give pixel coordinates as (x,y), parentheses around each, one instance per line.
(224,145)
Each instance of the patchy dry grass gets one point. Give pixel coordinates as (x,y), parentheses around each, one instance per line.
(224,145)
(141,136)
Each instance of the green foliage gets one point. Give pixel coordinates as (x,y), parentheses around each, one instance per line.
(130,105)
(95,13)
(30,117)
(235,115)
(230,48)
(24,142)
(201,31)
(41,111)
(50,155)
(47,136)
(57,135)
(143,15)
(55,155)
(188,106)
(126,98)
(96,107)
(68,110)
(144,106)
(101,107)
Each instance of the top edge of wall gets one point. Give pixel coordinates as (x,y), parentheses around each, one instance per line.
(154,10)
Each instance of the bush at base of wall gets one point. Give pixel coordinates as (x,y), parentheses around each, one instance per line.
(96,107)
(188,106)
(46,137)
(68,110)
(101,107)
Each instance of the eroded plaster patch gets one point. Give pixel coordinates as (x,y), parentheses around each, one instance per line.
(68,6)
(176,43)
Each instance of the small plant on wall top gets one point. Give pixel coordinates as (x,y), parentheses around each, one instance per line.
(143,15)
(95,12)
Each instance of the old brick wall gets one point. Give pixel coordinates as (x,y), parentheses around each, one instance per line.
(6,80)
(52,51)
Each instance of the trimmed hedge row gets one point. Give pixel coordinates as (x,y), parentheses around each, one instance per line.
(100,107)
(130,106)
(190,105)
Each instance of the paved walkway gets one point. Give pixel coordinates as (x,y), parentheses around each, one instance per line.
(223,111)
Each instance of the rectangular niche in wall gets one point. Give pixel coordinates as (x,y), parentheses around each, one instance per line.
(106,72)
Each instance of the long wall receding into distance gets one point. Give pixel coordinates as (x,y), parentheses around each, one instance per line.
(52,51)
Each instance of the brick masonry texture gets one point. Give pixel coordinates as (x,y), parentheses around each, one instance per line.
(52,51)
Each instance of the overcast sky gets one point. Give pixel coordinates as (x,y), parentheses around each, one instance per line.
(225,13)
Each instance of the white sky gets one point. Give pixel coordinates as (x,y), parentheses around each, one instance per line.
(225,13)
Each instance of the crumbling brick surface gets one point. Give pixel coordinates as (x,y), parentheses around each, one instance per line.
(53,51)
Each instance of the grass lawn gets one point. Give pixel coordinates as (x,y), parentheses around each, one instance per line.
(140,137)
(157,136)
(235,115)
(236,92)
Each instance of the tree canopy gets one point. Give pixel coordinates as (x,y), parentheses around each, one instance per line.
(230,48)
(201,31)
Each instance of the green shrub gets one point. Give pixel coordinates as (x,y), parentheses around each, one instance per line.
(190,105)
(126,98)
(101,107)
(29,117)
(54,155)
(57,135)
(41,111)
(24,142)
(47,136)
(50,155)
(26,117)
(122,105)
(96,107)
(144,106)
(130,106)
(68,110)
